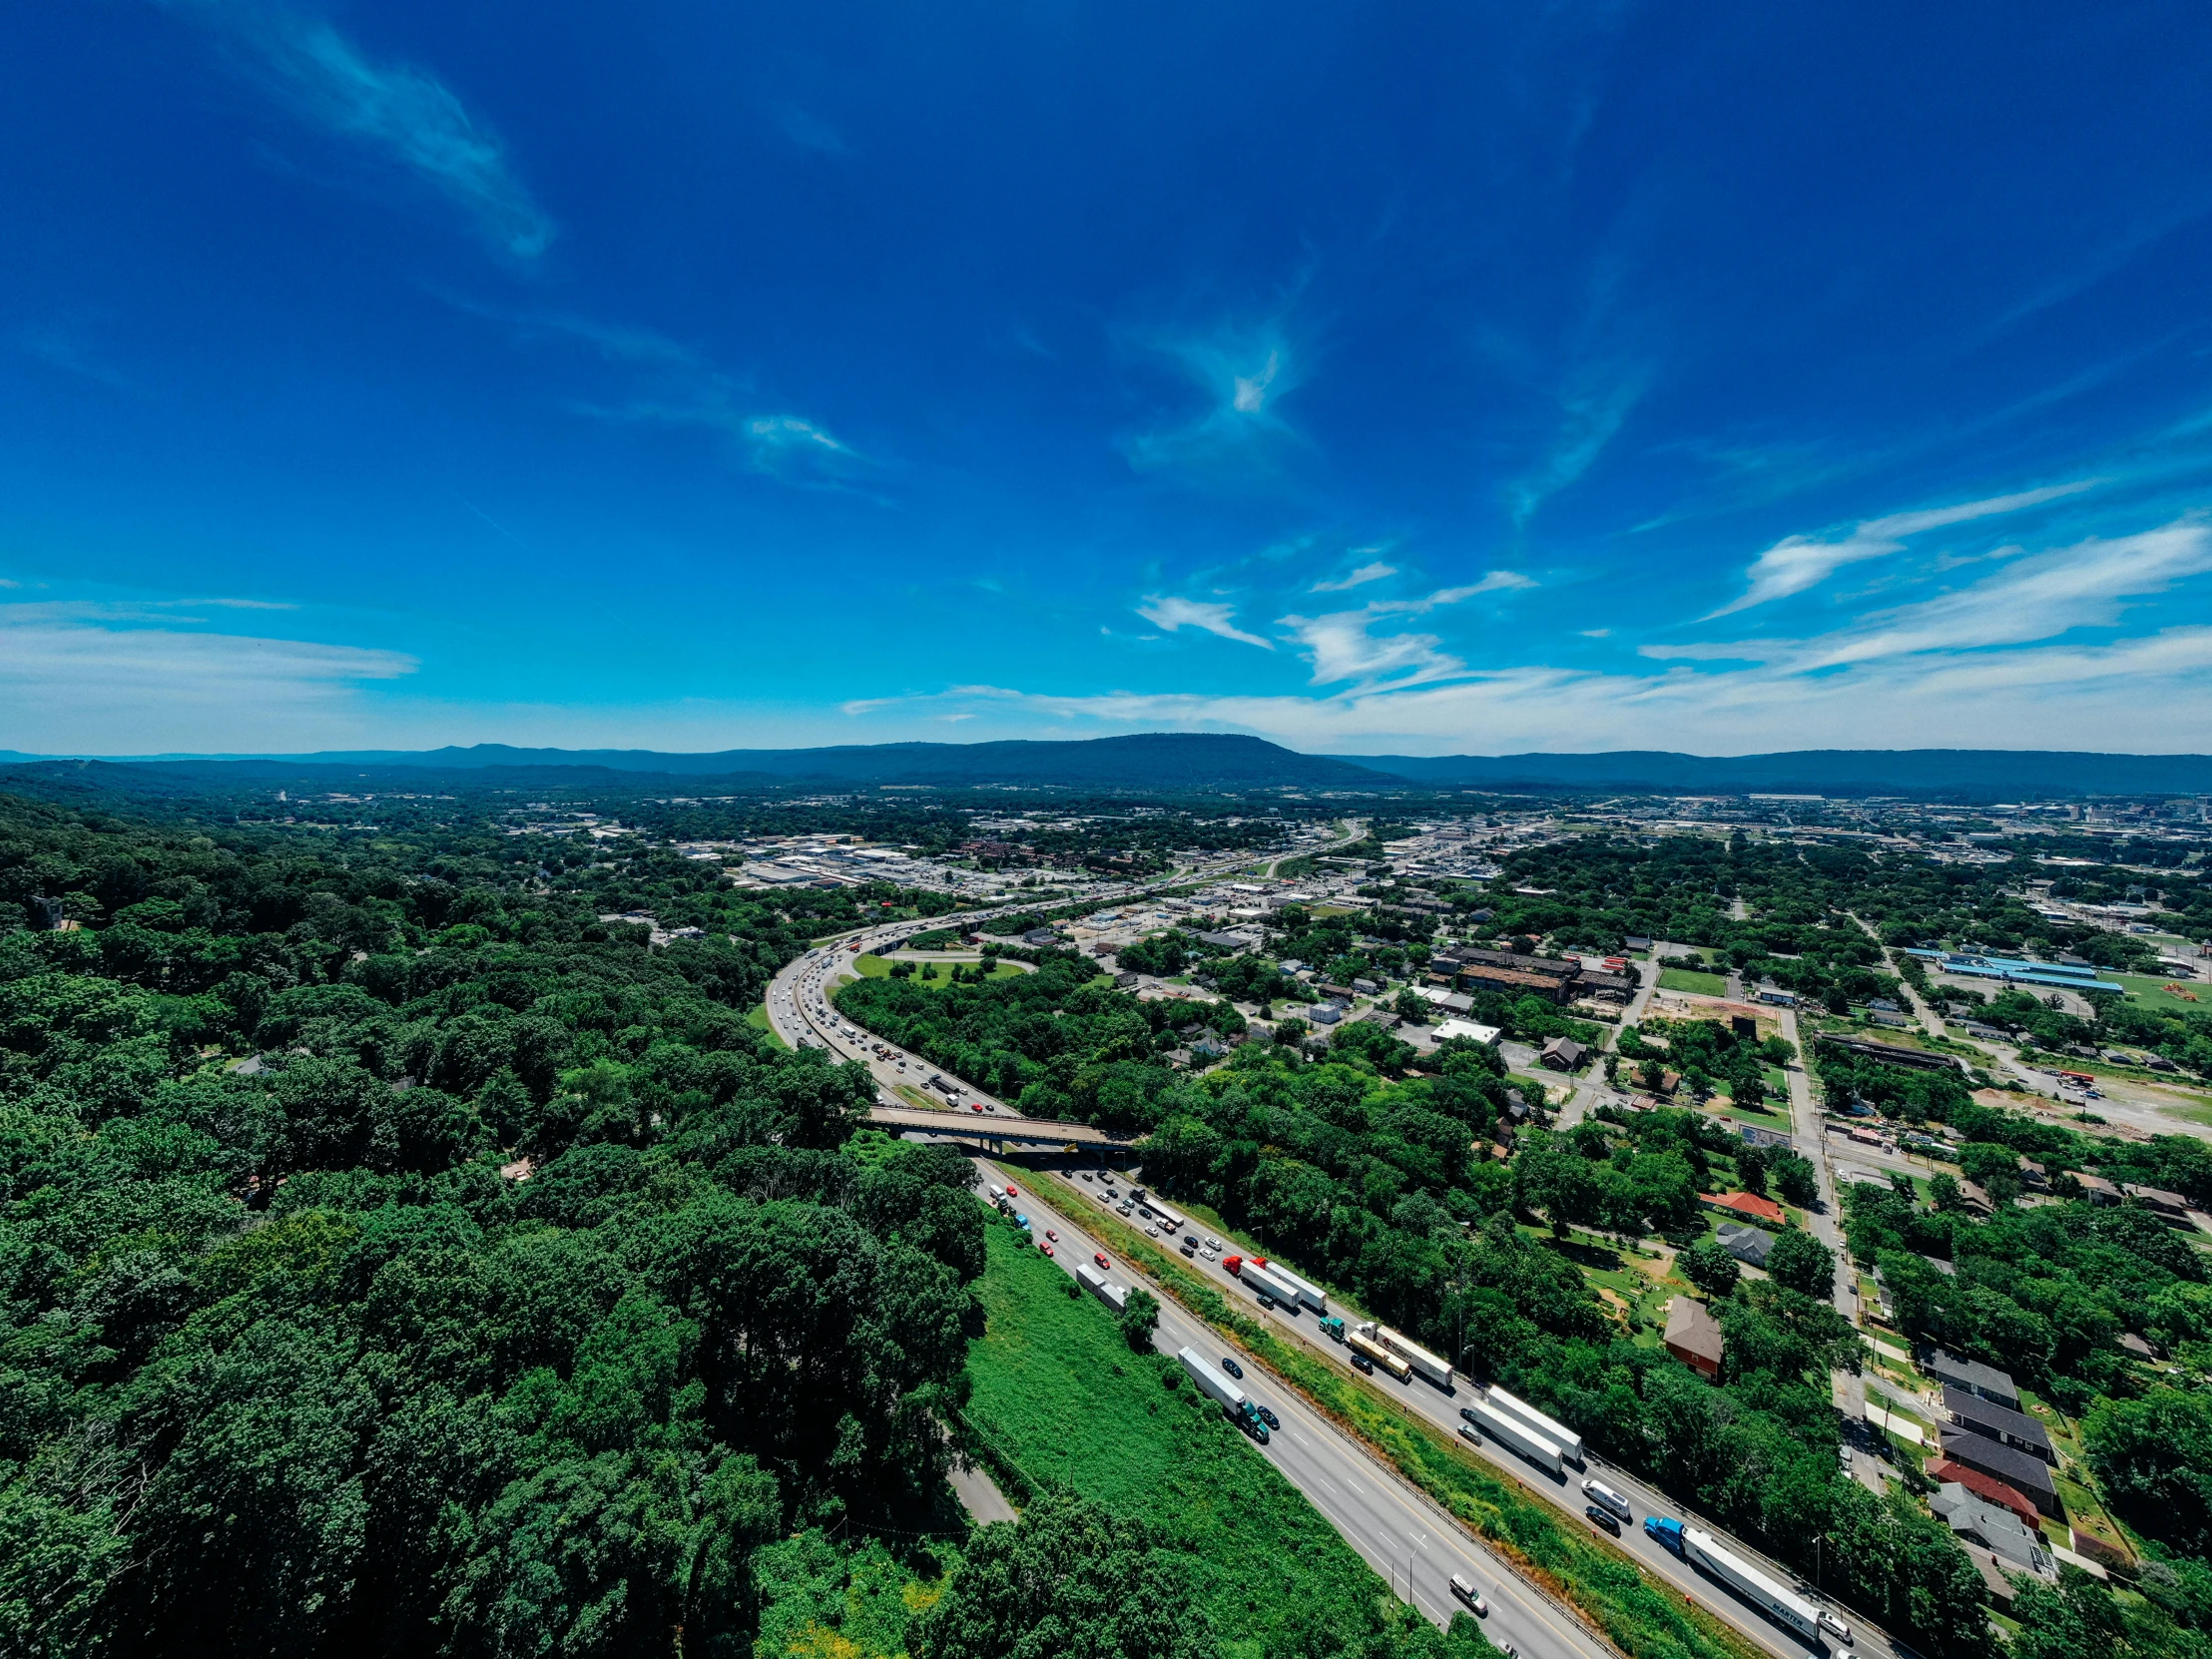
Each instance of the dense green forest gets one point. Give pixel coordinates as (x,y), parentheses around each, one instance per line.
(395,1258)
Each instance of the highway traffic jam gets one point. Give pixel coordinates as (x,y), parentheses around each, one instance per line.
(1382,1516)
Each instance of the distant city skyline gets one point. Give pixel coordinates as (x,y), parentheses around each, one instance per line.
(1451,380)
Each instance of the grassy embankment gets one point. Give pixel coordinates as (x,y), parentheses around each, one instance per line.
(759,1020)
(1059,1396)
(930,976)
(1642,1617)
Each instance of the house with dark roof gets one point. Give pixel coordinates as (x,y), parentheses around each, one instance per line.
(1694,1336)
(1973,1377)
(1749,1245)
(2020,1547)
(2026,1474)
(2015,1428)
(1563,1054)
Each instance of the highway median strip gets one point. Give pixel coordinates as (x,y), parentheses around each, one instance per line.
(1611,1594)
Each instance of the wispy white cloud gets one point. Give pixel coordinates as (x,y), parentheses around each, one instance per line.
(137,678)
(1591,415)
(406,115)
(1171,614)
(1344,647)
(1796,563)
(1243,375)
(1359,578)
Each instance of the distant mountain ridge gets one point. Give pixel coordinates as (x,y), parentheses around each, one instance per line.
(1967,774)
(1203,760)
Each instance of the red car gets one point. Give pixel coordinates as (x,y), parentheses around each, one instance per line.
(1047,1248)
(979,1109)
(1054,1237)
(1099,1256)
(1012,1191)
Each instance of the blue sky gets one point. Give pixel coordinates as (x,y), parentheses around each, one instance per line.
(1466,378)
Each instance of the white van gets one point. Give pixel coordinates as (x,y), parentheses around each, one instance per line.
(1836,1627)
(1599,1494)
(1467,1593)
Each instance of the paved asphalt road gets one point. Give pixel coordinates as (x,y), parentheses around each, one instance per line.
(1443,1409)
(1397,1530)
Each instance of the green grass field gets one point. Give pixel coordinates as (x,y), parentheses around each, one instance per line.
(1058,1393)
(931,975)
(1688,979)
(2144,992)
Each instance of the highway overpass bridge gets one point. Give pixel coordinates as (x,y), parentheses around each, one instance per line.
(999,1127)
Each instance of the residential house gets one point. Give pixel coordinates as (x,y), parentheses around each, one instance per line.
(2096,1188)
(2170,1204)
(1987,1487)
(2024,1472)
(1997,1530)
(1563,1054)
(2015,1428)
(1694,1336)
(1973,1377)
(1749,1245)
(1749,1205)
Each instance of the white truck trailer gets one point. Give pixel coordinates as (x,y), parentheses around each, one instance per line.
(1558,1433)
(1114,1295)
(1215,1384)
(1264,1282)
(1762,1589)
(1512,1432)
(1424,1363)
(1308,1292)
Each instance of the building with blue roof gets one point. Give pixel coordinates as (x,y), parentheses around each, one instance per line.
(2017,971)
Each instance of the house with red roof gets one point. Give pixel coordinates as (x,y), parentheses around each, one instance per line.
(1748,1205)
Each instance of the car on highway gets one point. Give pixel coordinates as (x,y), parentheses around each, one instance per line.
(1054,1237)
(974,1107)
(1269,1419)
(1467,1593)
(1099,1256)
(1047,1248)
(1152,1232)
(1604,1519)
(1013,1191)
(1230,1366)
(1360,1363)
(1088,1175)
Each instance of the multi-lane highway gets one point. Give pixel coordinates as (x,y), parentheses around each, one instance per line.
(1404,1537)
(1443,1409)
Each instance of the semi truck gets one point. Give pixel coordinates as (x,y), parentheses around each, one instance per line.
(1424,1363)
(1264,1282)
(1166,1220)
(1366,1345)
(1114,1295)
(1776,1599)
(1509,1429)
(1308,1292)
(1216,1387)
(1558,1433)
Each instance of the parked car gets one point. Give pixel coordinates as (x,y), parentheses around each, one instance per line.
(1230,1366)
(1602,1518)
